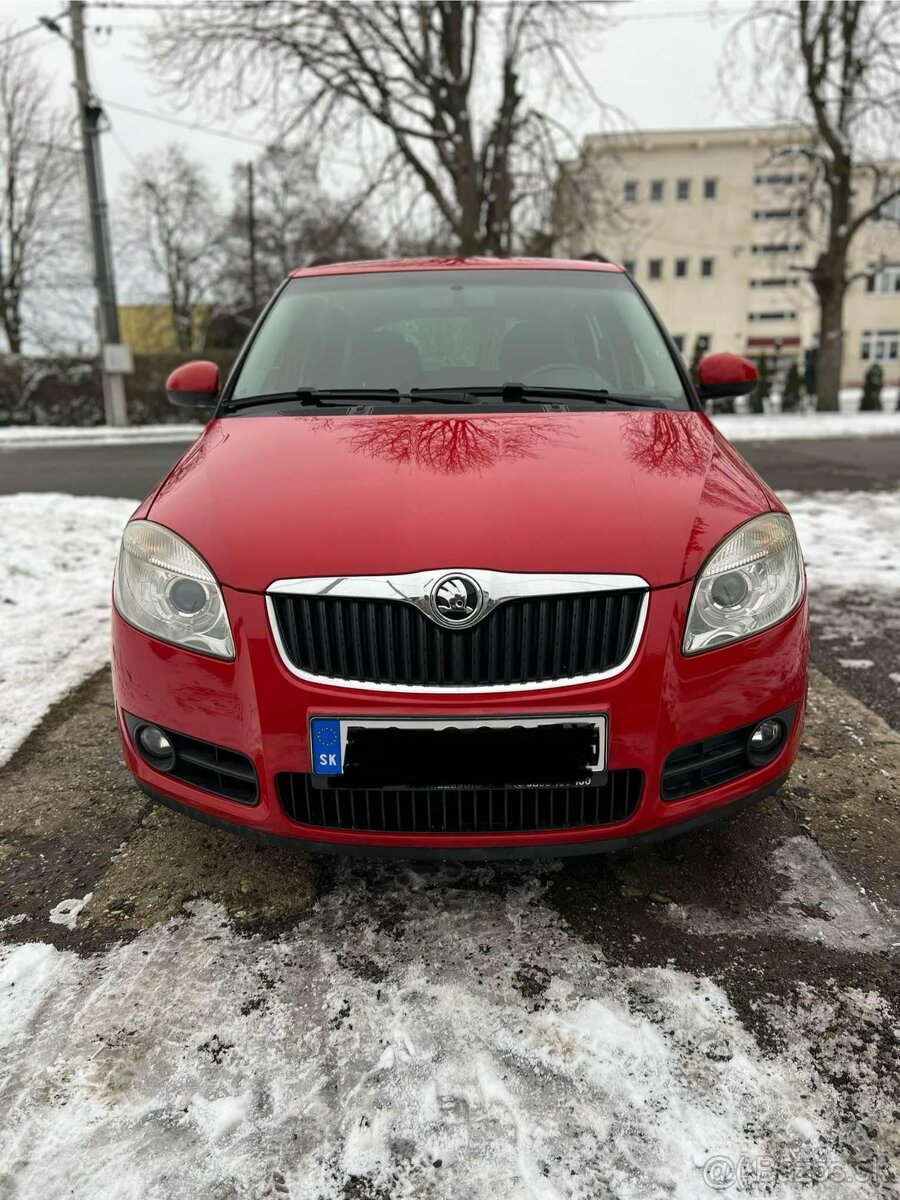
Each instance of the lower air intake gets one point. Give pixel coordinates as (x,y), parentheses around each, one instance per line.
(461,810)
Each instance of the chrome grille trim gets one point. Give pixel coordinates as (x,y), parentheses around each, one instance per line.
(415,589)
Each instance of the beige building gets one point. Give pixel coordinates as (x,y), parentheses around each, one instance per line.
(706,221)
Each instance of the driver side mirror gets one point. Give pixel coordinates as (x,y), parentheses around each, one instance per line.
(194,385)
(724,375)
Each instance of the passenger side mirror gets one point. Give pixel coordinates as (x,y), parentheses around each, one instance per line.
(194,385)
(724,375)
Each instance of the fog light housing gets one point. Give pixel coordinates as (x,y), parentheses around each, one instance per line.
(156,747)
(766,739)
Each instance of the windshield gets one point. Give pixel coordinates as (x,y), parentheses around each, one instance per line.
(458,329)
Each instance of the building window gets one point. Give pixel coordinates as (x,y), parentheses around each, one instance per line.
(777,248)
(889,211)
(629,265)
(678,339)
(707,265)
(631,191)
(880,346)
(778,179)
(885,279)
(773,316)
(684,189)
(657,189)
(775,281)
(777,214)
(654,268)
(710,189)
(681,268)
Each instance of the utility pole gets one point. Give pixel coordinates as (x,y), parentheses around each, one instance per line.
(115,358)
(251,236)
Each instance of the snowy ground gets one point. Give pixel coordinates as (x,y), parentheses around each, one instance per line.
(439,1032)
(55,580)
(765,427)
(413,1038)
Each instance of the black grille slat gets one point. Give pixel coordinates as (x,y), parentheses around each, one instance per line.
(461,810)
(527,640)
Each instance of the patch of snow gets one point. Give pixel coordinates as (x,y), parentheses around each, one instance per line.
(66,912)
(383,1047)
(13,437)
(55,586)
(849,539)
(220,1117)
(817,904)
(15,919)
(856,664)
(769,427)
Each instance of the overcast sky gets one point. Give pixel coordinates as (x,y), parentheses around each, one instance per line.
(658,65)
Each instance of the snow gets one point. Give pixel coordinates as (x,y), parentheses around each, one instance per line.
(66,912)
(15,436)
(849,539)
(770,427)
(55,579)
(193,1062)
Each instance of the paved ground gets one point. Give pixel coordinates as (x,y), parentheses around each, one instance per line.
(838,463)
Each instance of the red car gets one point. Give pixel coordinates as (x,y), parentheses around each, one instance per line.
(460,567)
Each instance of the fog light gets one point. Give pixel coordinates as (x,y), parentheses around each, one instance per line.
(766,738)
(157,747)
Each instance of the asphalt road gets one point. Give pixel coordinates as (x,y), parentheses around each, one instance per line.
(133,470)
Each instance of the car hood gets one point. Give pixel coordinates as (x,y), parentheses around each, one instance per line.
(646,493)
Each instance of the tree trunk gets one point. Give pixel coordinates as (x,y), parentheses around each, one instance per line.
(12,327)
(830,290)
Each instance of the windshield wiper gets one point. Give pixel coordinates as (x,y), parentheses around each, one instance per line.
(520,393)
(316,398)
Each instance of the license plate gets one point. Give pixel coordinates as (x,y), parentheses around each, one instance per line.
(329,735)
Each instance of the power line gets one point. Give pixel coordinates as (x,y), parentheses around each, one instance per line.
(197,127)
(154,116)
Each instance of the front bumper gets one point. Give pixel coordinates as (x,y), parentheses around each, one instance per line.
(660,702)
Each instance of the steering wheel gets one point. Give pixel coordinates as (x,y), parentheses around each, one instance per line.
(585,377)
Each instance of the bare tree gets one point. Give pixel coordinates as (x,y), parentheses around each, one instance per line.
(295,220)
(458,93)
(838,65)
(173,230)
(37,172)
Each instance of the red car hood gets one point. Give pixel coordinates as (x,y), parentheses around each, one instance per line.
(644,493)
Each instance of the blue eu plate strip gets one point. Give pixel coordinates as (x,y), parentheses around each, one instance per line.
(326,746)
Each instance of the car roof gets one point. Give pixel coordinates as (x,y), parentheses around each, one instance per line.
(372,266)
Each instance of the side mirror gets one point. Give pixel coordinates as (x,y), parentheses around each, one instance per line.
(723,375)
(195,385)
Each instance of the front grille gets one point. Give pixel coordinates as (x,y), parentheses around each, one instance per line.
(521,641)
(461,810)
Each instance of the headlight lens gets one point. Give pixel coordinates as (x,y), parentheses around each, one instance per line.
(752,581)
(164,587)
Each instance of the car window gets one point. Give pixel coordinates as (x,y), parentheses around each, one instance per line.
(461,328)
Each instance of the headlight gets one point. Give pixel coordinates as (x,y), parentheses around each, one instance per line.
(752,581)
(164,587)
